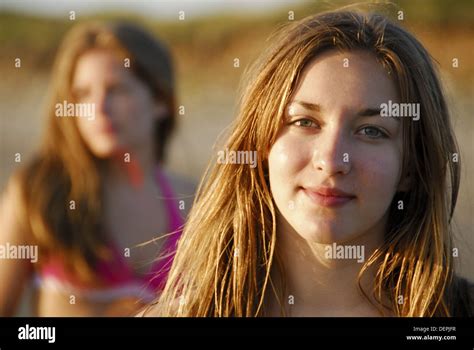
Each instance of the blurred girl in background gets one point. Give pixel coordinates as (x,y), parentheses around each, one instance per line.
(97,188)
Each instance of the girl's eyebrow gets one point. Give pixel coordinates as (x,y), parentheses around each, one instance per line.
(308,105)
(365,112)
(372,112)
(368,112)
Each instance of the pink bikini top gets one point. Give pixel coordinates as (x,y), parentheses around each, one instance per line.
(116,275)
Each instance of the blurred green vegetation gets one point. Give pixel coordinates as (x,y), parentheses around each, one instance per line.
(40,36)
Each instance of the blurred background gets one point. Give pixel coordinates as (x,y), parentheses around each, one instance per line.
(205,46)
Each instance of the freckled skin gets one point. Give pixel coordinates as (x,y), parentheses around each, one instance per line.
(310,154)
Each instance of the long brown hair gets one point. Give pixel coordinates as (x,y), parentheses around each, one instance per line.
(65,169)
(223,262)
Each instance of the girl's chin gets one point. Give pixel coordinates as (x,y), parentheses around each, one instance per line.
(325,235)
(105,155)
(109,151)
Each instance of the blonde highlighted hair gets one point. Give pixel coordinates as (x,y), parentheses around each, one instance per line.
(224,258)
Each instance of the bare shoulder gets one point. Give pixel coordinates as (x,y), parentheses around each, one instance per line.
(12,192)
(14,233)
(12,210)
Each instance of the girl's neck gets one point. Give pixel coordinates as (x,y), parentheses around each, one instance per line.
(323,279)
(129,168)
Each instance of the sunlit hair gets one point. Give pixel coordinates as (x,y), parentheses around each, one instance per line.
(65,169)
(227,251)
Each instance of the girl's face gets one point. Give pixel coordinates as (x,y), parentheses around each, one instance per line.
(125,110)
(336,163)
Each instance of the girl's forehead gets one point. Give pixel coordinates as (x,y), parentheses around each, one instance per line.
(98,63)
(355,79)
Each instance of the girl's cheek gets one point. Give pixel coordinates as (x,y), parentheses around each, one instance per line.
(379,171)
(290,154)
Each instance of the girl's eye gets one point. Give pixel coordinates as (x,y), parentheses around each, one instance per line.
(305,123)
(373,132)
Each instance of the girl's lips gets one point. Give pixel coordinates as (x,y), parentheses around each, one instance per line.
(328,197)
